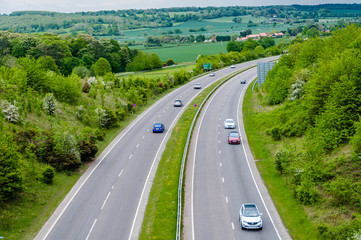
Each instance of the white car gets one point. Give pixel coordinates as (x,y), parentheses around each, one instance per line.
(212,74)
(197,86)
(250,217)
(178,103)
(243,81)
(229,123)
(233,66)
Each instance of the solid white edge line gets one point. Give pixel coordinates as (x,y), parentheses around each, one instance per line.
(249,166)
(91,229)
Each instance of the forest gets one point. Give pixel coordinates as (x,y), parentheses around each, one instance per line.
(313,106)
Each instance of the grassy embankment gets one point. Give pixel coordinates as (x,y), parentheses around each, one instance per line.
(263,149)
(161,214)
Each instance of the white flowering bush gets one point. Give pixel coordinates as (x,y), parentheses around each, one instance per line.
(49,104)
(10,111)
(101,117)
(92,80)
(297,90)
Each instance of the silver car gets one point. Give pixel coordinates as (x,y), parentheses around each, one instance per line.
(229,123)
(178,103)
(243,81)
(250,217)
(197,86)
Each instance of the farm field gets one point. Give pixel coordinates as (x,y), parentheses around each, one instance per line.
(218,26)
(189,52)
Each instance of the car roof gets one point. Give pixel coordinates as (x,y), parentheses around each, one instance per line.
(229,119)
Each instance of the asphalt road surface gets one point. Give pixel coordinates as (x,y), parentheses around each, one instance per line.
(109,200)
(220,177)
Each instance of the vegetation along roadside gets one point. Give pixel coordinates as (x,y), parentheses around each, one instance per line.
(304,126)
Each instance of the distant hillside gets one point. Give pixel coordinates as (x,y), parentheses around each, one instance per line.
(113,23)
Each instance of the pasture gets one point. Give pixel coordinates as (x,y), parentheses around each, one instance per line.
(189,52)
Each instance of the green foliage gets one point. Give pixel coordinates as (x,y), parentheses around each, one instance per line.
(87,150)
(82,71)
(102,67)
(11,180)
(278,83)
(282,160)
(144,61)
(306,192)
(67,156)
(48,174)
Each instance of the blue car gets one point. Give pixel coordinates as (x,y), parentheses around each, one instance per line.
(158,127)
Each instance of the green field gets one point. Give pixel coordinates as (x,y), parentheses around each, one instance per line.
(188,53)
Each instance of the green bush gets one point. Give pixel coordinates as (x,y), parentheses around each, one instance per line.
(87,150)
(48,175)
(306,193)
(282,160)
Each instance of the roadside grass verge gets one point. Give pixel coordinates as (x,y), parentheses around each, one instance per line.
(263,149)
(160,219)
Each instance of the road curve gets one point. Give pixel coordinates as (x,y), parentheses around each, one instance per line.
(220,177)
(109,200)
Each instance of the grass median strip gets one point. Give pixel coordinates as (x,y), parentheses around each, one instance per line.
(161,214)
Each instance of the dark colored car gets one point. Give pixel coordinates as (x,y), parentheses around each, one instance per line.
(234,138)
(178,103)
(158,127)
(243,81)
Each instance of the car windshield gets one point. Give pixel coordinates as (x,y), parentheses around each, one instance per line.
(233,134)
(157,125)
(229,121)
(178,101)
(251,213)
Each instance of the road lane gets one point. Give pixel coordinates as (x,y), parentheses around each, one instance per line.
(221,171)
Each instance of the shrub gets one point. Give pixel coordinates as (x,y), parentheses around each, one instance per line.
(10,173)
(282,160)
(48,175)
(87,150)
(10,111)
(82,71)
(307,193)
(66,155)
(276,133)
(86,87)
(49,104)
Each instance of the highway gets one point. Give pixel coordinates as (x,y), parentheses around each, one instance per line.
(220,177)
(109,200)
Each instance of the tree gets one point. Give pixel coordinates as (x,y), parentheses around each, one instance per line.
(10,173)
(234,46)
(102,67)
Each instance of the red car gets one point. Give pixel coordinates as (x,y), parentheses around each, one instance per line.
(234,138)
